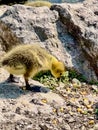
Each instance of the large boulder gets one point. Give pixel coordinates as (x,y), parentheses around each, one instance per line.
(31,25)
(81,21)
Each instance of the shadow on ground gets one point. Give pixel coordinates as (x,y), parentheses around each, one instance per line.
(9,90)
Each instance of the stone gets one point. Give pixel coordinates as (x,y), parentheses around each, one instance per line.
(96,127)
(49,30)
(67,127)
(83,128)
(7,38)
(32,28)
(76,83)
(95,87)
(81,20)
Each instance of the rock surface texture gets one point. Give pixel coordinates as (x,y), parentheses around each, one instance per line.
(77,49)
(81,21)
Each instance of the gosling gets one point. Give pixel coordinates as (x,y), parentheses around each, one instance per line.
(28,60)
(38,3)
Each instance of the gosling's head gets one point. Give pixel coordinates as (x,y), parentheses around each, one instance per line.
(57,69)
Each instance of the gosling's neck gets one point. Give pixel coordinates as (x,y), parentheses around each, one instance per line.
(49,62)
(53,60)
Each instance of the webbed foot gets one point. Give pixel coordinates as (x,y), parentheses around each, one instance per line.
(12,78)
(27,87)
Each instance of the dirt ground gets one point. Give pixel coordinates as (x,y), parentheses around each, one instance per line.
(42,109)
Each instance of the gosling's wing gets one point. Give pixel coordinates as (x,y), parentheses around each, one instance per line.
(17,70)
(13,64)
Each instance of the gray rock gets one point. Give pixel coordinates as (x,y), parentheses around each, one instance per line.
(78,51)
(96,127)
(7,38)
(83,128)
(95,87)
(81,21)
(76,82)
(66,126)
(32,28)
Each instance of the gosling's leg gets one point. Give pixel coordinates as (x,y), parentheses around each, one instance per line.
(12,78)
(27,84)
(27,87)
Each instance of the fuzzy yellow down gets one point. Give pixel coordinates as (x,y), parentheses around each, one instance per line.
(38,3)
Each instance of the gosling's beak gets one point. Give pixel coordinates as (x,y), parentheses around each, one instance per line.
(58,79)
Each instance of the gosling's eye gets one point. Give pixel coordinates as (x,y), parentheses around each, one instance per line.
(60,73)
